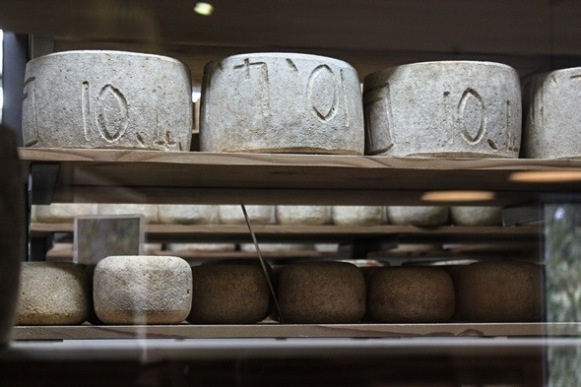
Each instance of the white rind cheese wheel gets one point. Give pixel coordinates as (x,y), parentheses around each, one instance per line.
(142,290)
(552,115)
(63,212)
(444,109)
(303,215)
(476,216)
(359,215)
(53,293)
(107,99)
(424,216)
(281,103)
(257,214)
(187,214)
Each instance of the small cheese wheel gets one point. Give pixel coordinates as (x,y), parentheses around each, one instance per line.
(258,214)
(229,293)
(359,215)
(188,213)
(53,293)
(410,295)
(142,289)
(63,212)
(321,293)
(305,215)
(425,216)
(503,291)
(149,211)
(476,215)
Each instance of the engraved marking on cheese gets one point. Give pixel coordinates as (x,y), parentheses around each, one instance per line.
(140,139)
(511,143)
(472,113)
(263,82)
(345,101)
(449,123)
(292,64)
(86,109)
(322,93)
(112,113)
(377,101)
(29,111)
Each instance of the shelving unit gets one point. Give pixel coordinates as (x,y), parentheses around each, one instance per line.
(371,34)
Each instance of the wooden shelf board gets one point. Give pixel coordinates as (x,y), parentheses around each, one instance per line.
(323,233)
(275,330)
(201,177)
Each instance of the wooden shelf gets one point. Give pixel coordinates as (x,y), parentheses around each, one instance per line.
(275,330)
(156,233)
(229,178)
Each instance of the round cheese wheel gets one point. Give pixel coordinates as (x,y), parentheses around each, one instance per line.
(410,295)
(476,216)
(321,293)
(303,215)
(63,212)
(281,103)
(444,109)
(107,99)
(502,291)
(229,293)
(142,290)
(359,215)
(552,116)
(187,214)
(53,293)
(149,211)
(257,214)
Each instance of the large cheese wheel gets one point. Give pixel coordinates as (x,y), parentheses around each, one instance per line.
(507,291)
(107,99)
(53,293)
(281,102)
(149,211)
(444,109)
(321,292)
(410,294)
(552,115)
(142,290)
(229,293)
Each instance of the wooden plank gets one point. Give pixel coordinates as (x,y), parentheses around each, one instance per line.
(274,330)
(322,233)
(200,177)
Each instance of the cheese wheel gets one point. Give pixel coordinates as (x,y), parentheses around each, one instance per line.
(257,214)
(321,293)
(359,215)
(504,291)
(476,215)
(149,211)
(444,109)
(107,99)
(187,214)
(281,103)
(425,216)
(63,212)
(303,215)
(142,290)
(229,293)
(53,293)
(410,295)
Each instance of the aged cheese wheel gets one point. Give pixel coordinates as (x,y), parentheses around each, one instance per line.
(476,216)
(12,231)
(305,215)
(149,211)
(142,290)
(552,116)
(281,102)
(359,215)
(53,293)
(257,214)
(321,293)
(410,294)
(274,247)
(188,214)
(229,293)
(107,99)
(444,109)
(507,291)
(63,212)
(181,247)
(425,216)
